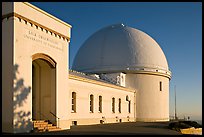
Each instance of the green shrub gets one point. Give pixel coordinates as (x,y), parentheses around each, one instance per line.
(183,125)
(193,124)
(178,125)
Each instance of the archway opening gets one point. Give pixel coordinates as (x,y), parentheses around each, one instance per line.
(43,89)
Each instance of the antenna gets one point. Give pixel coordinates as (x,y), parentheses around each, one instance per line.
(175,102)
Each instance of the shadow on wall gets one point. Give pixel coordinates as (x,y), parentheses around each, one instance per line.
(22,123)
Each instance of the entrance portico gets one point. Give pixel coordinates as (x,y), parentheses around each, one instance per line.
(35,67)
(43,88)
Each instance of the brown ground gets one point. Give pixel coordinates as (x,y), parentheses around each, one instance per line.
(126,128)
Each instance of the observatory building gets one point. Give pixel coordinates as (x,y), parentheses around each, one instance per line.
(119,74)
(132,55)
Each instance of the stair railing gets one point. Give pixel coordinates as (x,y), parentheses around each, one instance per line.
(55,117)
(44,118)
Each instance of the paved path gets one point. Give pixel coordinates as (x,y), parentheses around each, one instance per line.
(127,128)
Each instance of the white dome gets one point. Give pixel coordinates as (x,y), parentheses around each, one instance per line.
(119,48)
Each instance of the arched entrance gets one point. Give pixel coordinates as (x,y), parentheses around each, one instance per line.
(43,88)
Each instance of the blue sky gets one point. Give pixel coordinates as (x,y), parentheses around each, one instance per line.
(176,26)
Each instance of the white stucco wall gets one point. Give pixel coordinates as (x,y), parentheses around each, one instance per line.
(152,104)
(7,74)
(22,40)
(83,91)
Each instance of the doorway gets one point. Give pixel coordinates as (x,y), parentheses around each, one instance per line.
(43,88)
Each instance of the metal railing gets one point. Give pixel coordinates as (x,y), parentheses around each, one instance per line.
(55,117)
(44,117)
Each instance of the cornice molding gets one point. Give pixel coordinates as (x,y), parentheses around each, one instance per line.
(20,18)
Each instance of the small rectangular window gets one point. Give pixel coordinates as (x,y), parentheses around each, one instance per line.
(91,103)
(160,85)
(74,123)
(100,104)
(129,106)
(120,120)
(101,121)
(119,105)
(73,101)
(113,105)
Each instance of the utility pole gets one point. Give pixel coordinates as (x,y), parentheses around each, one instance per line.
(175,102)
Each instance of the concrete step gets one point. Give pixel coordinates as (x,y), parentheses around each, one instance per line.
(38,121)
(55,129)
(42,123)
(52,127)
(42,126)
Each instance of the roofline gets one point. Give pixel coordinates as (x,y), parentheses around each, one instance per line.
(75,77)
(46,13)
(136,70)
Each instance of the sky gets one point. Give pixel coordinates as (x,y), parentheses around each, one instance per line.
(176,26)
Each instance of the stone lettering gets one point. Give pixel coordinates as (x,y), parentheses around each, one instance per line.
(42,39)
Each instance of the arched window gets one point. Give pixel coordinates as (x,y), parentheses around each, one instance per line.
(113,105)
(73,101)
(91,103)
(119,105)
(100,104)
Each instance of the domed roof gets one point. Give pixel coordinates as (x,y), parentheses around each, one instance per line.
(119,48)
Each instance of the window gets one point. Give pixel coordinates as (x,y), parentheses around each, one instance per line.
(91,103)
(74,123)
(120,120)
(100,104)
(160,86)
(113,105)
(119,105)
(129,103)
(73,101)
(101,122)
